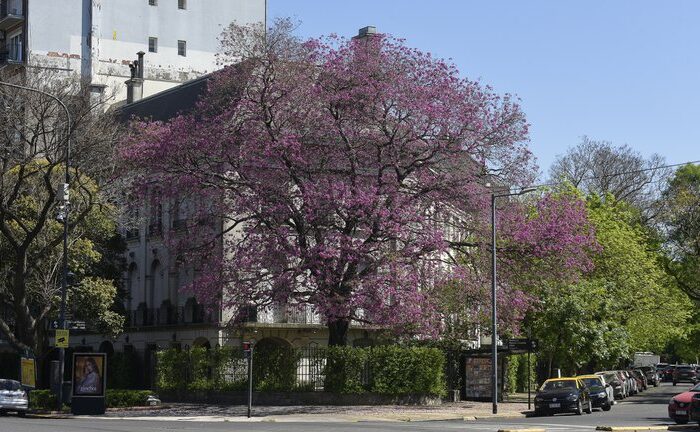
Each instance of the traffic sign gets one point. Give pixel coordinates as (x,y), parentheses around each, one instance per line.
(62,337)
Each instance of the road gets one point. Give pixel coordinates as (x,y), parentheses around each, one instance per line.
(646,409)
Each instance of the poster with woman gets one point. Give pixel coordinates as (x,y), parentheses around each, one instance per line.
(89,374)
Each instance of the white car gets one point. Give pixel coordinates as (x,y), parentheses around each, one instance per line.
(13,398)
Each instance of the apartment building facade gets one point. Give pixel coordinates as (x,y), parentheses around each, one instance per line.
(98,39)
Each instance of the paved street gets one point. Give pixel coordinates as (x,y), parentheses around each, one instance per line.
(643,410)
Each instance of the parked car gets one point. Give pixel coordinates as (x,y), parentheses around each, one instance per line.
(13,398)
(617,385)
(668,373)
(642,383)
(684,373)
(601,393)
(679,407)
(632,388)
(651,374)
(563,395)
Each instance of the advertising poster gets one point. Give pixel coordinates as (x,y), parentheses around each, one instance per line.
(89,374)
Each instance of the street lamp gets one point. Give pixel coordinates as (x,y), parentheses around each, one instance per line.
(494,323)
(63,217)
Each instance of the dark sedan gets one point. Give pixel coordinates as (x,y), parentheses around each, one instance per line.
(684,373)
(563,395)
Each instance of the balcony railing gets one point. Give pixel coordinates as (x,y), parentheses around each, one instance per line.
(12,53)
(147,317)
(11,13)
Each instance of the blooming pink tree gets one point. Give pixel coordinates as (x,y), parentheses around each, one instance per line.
(338,169)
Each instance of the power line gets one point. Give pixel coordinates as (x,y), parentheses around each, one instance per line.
(621,173)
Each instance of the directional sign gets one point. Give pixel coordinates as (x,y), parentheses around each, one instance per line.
(76,325)
(62,338)
(521,344)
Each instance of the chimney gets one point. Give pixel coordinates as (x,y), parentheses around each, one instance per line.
(366,32)
(134,86)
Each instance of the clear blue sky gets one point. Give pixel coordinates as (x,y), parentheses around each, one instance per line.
(623,71)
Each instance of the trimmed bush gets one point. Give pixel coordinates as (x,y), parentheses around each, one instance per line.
(126,398)
(172,369)
(42,400)
(344,370)
(275,368)
(407,370)
(389,370)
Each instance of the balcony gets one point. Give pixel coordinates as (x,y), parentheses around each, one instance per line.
(167,315)
(11,14)
(12,53)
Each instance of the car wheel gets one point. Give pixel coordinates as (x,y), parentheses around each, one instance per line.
(579,408)
(22,413)
(607,407)
(3,413)
(681,420)
(674,383)
(589,410)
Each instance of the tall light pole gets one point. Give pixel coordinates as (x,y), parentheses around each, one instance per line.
(63,197)
(494,322)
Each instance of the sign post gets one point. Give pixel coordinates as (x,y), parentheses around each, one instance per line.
(89,383)
(248,352)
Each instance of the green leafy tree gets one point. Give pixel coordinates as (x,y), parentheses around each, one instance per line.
(628,303)
(682,220)
(32,166)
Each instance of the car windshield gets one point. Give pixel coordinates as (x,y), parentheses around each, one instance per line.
(591,382)
(559,385)
(684,367)
(610,377)
(9,385)
(695,388)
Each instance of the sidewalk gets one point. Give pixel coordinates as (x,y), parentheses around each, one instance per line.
(200,412)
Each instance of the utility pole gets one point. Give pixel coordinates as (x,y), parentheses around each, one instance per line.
(63,196)
(494,322)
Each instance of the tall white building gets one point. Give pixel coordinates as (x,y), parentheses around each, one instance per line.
(98,39)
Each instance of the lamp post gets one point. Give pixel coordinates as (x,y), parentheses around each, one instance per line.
(494,323)
(63,195)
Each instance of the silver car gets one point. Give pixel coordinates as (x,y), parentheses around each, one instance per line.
(12,397)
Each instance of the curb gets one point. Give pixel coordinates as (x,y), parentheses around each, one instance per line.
(522,430)
(646,428)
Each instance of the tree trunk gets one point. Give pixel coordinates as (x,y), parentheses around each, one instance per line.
(338,332)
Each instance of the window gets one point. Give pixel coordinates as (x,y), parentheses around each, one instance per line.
(153,2)
(182,48)
(182,4)
(152,44)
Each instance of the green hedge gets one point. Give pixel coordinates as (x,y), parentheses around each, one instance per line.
(516,373)
(344,370)
(126,398)
(390,370)
(124,370)
(45,400)
(407,370)
(42,400)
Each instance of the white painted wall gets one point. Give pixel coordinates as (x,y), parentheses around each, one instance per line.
(99,38)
